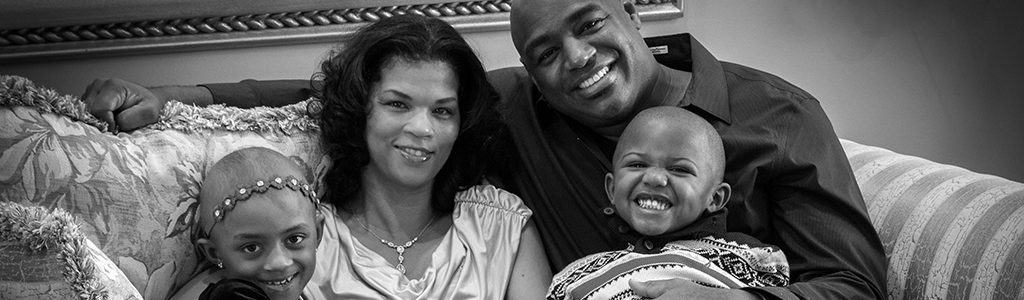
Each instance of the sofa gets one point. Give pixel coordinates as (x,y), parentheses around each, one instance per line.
(89,214)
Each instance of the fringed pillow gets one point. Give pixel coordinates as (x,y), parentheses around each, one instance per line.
(134,192)
(45,256)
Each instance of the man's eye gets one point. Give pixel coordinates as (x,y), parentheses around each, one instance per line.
(595,23)
(543,57)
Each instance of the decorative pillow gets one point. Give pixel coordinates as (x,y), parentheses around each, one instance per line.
(47,257)
(135,192)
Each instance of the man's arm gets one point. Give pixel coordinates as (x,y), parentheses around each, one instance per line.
(128,106)
(818,214)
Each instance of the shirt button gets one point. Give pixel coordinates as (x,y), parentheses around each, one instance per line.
(648,245)
(623,229)
(608,211)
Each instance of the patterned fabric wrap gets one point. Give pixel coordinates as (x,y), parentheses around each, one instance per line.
(134,193)
(707,261)
(948,233)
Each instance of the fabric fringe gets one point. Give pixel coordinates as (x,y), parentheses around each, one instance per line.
(43,231)
(20,91)
(295,118)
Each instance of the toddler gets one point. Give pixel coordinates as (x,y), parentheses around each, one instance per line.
(667,183)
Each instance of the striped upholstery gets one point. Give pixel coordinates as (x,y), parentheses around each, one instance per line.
(948,233)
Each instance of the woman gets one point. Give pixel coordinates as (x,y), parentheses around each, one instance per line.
(406,110)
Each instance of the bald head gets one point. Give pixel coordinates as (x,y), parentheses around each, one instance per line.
(662,122)
(241,168)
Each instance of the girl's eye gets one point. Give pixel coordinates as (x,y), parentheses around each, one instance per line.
(636,165)
(251,248)
(296,239)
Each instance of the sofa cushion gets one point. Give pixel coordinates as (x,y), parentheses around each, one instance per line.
(47,257)
(948,233)
(135,193)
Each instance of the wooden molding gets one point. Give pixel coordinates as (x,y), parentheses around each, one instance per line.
(304,25)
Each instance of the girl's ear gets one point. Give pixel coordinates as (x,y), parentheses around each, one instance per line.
(207,248)
(720,197)
(609,187)
(319,227)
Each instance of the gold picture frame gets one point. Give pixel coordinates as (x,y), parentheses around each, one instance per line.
(53,29)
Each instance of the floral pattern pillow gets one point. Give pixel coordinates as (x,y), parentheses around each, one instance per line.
(134,192)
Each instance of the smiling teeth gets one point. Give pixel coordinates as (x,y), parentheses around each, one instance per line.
(652,204)
(282,282)
(415,154)
(593,79)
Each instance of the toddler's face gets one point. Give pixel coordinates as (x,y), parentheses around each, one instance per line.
(662,179)
(271,240)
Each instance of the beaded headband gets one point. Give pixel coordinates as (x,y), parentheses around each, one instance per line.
(243,193)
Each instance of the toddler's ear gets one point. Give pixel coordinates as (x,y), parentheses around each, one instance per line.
(720,197)
(609,187)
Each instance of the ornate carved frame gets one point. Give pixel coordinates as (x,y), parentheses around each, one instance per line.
(49,29)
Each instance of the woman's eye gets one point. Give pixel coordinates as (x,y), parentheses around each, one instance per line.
(444,111)
(395,104)
(251,248)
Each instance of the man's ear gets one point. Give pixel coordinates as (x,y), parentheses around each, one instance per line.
(208,249)
(720,197)
(609,187)
(630,9)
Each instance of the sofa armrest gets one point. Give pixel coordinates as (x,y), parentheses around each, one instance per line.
(947,232)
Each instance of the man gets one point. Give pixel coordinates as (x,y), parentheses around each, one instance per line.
(589,73)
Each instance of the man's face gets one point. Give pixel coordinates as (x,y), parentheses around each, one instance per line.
(587,57)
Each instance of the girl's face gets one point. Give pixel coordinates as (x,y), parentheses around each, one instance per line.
(412,124)
(269,239)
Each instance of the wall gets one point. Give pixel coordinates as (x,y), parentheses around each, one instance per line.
(936,79)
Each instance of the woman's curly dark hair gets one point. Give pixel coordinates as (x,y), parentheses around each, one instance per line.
(348,76)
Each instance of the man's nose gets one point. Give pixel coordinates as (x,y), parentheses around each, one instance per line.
(578,53)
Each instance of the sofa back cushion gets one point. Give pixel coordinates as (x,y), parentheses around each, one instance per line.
(948,233)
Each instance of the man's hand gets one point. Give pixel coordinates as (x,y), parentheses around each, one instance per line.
(122,104)
(678,288)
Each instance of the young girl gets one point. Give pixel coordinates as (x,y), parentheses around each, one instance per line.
(259,228)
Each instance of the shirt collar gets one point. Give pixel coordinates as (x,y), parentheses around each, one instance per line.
(707,90)
(710,224)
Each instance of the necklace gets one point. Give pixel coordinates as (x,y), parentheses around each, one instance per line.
(400,249)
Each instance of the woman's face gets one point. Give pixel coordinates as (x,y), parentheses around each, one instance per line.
(413,122)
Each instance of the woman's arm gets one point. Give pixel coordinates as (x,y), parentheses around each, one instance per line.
(531,274)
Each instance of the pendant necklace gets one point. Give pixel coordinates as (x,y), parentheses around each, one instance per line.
(400,249)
